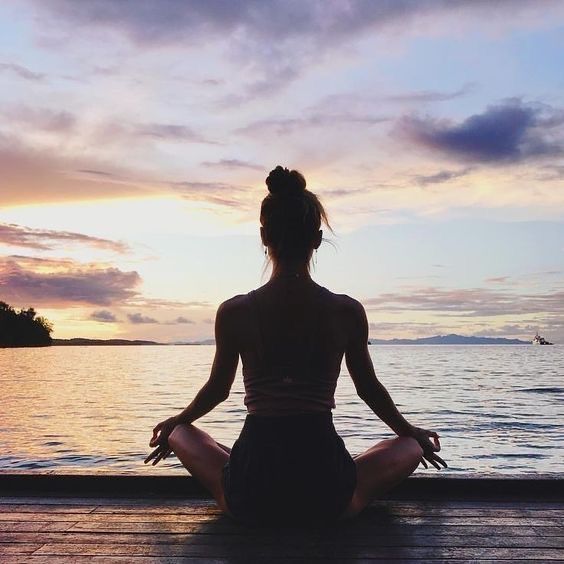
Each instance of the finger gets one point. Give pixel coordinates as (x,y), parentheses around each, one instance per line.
(429,446)
(168,453)
(158,458)
(433,462)
(441,460)
(156,430)
(425,465)
(152,455)
(435,445)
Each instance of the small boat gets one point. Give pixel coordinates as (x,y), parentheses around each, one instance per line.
(538,340)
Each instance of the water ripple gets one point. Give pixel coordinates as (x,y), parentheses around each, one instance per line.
(498,409)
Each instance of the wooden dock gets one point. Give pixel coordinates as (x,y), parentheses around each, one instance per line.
(58,518)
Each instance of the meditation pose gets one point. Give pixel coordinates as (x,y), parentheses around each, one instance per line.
(289,464)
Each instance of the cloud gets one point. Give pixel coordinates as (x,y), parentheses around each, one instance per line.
(169,132)
(285,126)
(46,239)
(342,192)
(141,301)
(32,174)
(158,22)
(100,173)
(440,177)
(274,40)
(219,193)
(139,318)
(508,132)
(550,173)
(43,119)
(61,283)
(21,71)
(390,329)
(523,329)
(497,280)
(423,96)
(180,320)
(103,315)
(468,302)
(229,164)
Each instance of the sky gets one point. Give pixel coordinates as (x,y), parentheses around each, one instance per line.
(135,138)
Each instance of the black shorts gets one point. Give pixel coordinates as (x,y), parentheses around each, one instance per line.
(289,469)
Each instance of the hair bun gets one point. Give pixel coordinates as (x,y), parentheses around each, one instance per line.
(284,182)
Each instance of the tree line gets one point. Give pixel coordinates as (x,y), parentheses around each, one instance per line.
(23,328)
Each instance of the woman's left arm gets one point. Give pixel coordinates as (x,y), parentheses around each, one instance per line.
(215,390)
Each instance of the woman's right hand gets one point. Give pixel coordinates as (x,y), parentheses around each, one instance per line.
(163,430)
(430,449)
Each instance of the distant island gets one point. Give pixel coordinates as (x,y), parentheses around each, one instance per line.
(451,339)
(80,341)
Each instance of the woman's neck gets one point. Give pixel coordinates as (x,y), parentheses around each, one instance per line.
(290,269)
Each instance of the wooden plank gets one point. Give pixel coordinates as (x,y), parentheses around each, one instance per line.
(274,539)
(374,529)
(334,552)
(16,526)
(38,559)
(31,526)
(550,531)
(378,512)
(372,511)
(19,548)
(145,501)
(162,501)
(436,520)
(75,529)
(44,508)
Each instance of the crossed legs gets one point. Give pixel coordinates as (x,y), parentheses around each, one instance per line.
(203,457)
(378,469)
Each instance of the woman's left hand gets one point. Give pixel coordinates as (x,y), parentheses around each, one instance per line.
(160,436)
(430,449)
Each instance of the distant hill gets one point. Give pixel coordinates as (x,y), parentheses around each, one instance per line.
(204,342)
(94,342)
(451,339)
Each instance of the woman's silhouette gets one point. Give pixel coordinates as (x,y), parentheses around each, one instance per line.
(291,334)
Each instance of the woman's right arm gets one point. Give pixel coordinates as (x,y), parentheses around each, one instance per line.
(361,370)
(375,395)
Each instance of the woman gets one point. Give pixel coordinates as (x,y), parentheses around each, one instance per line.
(291,334)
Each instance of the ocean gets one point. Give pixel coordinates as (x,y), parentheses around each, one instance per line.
(499,409)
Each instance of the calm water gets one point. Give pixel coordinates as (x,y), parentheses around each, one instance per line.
(498,409)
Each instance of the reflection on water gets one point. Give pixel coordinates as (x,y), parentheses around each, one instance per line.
(498,409)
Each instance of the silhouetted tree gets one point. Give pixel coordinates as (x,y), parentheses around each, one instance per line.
(23,328)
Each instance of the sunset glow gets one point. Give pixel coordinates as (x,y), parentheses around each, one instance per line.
(135,139)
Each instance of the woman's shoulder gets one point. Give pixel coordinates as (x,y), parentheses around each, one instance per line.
(232,304)
(344,301)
